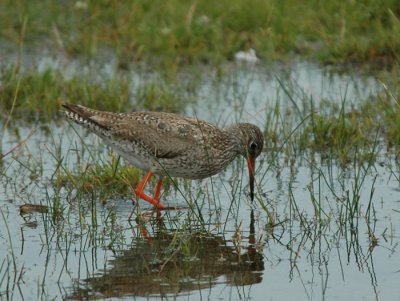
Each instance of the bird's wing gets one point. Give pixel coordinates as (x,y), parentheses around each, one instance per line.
(164,135)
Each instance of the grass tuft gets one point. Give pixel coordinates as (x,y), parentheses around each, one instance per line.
(109,179)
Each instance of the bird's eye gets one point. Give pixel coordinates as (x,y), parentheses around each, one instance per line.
(253,145)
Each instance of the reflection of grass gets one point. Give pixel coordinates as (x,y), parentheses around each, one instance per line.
(185,31)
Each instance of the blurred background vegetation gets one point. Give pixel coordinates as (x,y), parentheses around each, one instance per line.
(183,31)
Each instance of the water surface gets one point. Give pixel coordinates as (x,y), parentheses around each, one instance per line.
(219,245)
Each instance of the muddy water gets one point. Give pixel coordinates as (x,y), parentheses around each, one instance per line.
(218,245)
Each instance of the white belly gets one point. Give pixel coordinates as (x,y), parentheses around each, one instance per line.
(130,153)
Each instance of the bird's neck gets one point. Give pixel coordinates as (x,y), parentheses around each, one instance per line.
(236,136)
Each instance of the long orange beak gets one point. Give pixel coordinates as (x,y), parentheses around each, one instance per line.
(251,164)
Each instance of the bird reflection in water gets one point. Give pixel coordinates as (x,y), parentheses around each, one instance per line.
(170,264)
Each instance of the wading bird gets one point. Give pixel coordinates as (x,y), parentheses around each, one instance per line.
(170,144)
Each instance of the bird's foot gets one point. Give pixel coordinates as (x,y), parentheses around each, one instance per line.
(154,201)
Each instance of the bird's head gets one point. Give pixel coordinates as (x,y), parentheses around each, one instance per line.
(253,143)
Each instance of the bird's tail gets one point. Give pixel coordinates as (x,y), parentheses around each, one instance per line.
(97,121)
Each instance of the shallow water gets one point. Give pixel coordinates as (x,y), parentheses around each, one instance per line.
(219,245)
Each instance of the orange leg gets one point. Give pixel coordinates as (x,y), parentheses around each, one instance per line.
(158,189)
(140,193)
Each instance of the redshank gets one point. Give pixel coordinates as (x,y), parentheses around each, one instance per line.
(171,144)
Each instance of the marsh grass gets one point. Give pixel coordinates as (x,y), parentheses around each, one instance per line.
(37,96)
(341,131)
(108,178)
(323,127)
(177,244)
(7,273)
(180,32)
(345,213)
(297,131)
(159,97)
(85,179)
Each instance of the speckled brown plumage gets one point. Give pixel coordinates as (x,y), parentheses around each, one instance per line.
(166,143)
